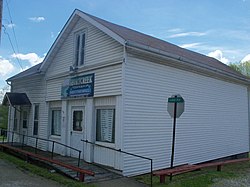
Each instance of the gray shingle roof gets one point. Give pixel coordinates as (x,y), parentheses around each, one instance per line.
(146,40)
(29,72)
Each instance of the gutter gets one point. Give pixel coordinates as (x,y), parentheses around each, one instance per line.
(185,61)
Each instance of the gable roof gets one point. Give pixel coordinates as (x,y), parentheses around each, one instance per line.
(132,38)
(34,70)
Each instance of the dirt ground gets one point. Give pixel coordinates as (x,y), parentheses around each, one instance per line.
(10,175)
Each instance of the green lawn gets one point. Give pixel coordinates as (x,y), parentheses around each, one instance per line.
(41,171)
(202,178)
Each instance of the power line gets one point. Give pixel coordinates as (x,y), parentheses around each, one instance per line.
(12,25)
(1,16)
(12,47)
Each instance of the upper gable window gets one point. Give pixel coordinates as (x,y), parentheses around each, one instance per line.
(79,48)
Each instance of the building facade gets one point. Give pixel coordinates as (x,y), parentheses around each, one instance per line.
(109,85)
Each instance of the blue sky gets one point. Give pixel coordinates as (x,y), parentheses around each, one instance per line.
(218,28)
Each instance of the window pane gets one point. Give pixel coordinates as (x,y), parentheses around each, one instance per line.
(36,112)
(82,49)
(15,121)
(105,125)
(24,123)
(77,50)
(36,120)
(77,120)
(25,119)
(56,122)
(35,130)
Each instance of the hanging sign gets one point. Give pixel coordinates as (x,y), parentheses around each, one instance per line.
(81,86)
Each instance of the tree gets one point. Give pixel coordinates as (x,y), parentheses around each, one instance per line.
(3,116)
(242,67)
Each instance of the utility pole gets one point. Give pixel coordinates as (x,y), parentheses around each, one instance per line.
(1,18)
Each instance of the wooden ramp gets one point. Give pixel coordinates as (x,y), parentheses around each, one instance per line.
(86,172)
(187,168)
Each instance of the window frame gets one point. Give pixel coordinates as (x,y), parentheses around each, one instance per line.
(106,143)
(51,121)
(36,120)
(79,51)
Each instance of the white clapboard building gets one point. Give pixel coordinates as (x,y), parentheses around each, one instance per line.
(110,85)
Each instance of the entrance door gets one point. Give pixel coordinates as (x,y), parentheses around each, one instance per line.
(77,131)
(24,124)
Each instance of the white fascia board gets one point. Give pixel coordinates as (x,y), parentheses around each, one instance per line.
(101,27)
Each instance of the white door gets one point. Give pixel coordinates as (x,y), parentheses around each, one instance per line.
(24,125)
(77,130)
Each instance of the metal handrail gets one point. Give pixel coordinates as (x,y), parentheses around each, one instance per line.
(132,154)
(37,138)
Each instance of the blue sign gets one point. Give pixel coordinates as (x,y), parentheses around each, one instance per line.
(82,86)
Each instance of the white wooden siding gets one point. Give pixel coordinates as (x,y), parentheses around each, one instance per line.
(214,124)
(35,89)
(103,155)
(107,83)
(99,48)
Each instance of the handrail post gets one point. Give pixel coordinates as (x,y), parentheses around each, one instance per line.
(138,156)
(3,134)
(52,152)
(22,141)
(79,157)
(12,138)
(36,145)
(151,177)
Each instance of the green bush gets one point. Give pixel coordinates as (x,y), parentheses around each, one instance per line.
(3,116)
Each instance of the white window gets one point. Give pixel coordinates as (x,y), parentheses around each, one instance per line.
(79,48)
(105,125)
(56,122)
(36,119)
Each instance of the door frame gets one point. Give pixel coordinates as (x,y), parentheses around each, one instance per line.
(82,133)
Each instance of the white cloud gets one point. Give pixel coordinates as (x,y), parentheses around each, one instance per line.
(52,34)
(246,58)
(32,58)
(5,67)
(3,91)
(184,34)
(11,25)
(37,19)
(174,30)
(191,45)
(219,56)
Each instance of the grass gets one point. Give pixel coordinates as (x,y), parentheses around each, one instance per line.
(41,171)
(204,177)
(1,138)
